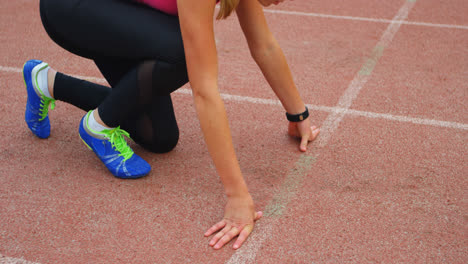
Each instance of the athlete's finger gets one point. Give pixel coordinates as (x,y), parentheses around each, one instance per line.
(243,236)
(220,234)
(304,141)
(315,133)
(227,237)
(258,215)
(215,228)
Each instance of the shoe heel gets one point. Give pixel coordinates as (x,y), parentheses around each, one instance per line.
(24,75)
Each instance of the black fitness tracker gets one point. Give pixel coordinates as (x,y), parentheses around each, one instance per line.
(298,117)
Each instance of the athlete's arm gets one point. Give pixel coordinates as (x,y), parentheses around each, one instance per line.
(196,22)
(271,60)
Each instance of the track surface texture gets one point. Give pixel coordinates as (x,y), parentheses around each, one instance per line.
(386,182)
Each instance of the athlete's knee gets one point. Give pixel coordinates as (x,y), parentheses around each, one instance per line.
(164,143)
(179,73)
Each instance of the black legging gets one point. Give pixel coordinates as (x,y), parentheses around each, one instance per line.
(139,51)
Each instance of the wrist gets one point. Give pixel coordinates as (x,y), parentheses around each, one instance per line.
(240,191)
(245,199)
(298,117)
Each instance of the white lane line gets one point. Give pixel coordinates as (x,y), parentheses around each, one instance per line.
(366,19)
(344,111)
(10,69)
(87,78)
(361,78)
(407,119)
(322,108)
(8,260)
(288,190)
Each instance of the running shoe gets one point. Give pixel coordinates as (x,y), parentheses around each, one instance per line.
(37,105)
(112,149)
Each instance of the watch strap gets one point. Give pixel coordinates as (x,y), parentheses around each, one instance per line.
(298,117)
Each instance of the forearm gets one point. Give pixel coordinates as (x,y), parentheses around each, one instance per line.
(215,128)
(272,62)
(196,21)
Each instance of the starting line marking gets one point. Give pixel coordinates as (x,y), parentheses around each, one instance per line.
(322,108)
(288,190)
(8,260)
(334,119)
(366,19)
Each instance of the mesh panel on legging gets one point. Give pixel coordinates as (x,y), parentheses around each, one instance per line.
(155,127)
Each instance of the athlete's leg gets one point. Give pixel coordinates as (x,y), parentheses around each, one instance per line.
(80,93)
(151,37)
(106,33)
(152,124)
(113,29)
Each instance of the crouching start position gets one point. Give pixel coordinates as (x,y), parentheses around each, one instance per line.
(147,49)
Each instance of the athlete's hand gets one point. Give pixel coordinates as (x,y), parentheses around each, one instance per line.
(239,218)
(303,131)
(269,2)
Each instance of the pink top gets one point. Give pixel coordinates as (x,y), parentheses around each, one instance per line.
(166,6)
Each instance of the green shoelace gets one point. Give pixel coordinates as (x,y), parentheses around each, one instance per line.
(45,103)
(118,142)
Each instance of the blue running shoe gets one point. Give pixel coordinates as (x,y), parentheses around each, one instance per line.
(37,105)
(110,146)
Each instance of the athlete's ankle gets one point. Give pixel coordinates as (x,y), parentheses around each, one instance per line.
(94,123)
(40,80)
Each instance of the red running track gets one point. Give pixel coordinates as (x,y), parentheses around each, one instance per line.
(385,183)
